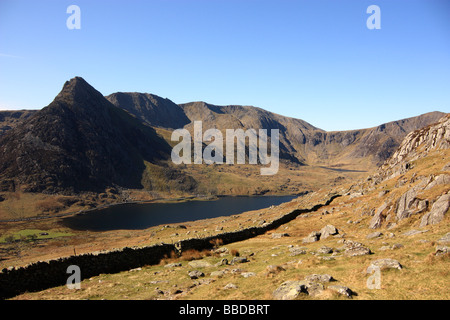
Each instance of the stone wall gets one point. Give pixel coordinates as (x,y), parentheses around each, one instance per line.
(42,275)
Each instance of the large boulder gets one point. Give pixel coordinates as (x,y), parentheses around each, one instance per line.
(290,290)
(382,264)
(319,278)
(312,237)
(328,230)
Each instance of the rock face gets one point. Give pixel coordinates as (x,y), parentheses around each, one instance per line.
(415,146)
(156,111)
(437,212)
(431,137)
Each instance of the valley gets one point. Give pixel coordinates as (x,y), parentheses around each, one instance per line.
(85,151)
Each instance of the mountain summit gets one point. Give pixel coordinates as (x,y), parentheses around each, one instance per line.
(79,142)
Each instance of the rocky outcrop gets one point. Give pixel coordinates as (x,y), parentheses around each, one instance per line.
(437,212)
(417,144)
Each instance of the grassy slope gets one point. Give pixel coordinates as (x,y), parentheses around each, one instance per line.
(424,275)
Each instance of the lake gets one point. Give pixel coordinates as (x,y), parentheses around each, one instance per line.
(135,216)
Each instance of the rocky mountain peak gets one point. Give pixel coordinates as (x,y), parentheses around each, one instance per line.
(80,93)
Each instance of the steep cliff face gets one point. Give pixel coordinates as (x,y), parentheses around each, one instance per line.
(150,108)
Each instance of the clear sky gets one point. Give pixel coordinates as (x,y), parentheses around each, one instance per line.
(315,60)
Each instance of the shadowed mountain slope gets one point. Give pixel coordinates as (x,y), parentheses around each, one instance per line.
(80,142)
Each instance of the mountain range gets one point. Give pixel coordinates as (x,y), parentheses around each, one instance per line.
(84,141)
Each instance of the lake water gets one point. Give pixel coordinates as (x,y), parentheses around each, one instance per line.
(146,215)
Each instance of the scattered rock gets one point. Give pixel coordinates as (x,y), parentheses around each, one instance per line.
(230,286)
(248,274)
(239,260)
(328,230)
(312,237)
(219,273)
(342,290)
(397,246)
(195,274)
(357,251)
(295,251)
(279,235)
(319,278)
(314,289)
(222,262)
(173,265)
(384,264)
(325,250)
(289,290)
(373,235)
(441,249)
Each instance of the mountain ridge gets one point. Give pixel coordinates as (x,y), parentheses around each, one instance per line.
(85,141)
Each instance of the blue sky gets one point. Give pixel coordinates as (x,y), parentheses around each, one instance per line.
(313,60)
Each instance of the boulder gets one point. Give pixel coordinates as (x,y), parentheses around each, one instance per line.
(314,288)
(441,250)
(384,264)
(325,250)
(295,251)
(195,274)
(248,274)
(289,290)
(230,286)
(239,260)
(312,237)
(279,235)
(173,265)
(219,273)
(342,290)
(328,230)
(357,251)
(373,235)
(319,278)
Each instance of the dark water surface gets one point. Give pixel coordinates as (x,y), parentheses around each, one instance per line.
(141,216)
